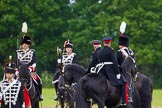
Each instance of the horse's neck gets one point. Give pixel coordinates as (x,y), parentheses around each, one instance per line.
(101,74)
(61,81)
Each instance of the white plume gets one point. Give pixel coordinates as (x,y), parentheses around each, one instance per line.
(24,27)
(123,27)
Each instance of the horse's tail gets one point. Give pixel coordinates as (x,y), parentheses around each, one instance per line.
(136,99)
(146,92)
(80,94)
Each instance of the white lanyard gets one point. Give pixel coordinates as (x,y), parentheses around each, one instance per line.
(9,86)
(25,55)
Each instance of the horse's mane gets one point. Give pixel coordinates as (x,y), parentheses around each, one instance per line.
(75,68)
(23,70)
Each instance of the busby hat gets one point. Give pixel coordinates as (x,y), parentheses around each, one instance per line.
(107,39)
(96,42)
(25,39)
(68,44)
(10,68)
(123,40)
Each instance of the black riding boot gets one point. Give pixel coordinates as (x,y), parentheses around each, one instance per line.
(56,89)
(40,89)
(55,82)
(124,94)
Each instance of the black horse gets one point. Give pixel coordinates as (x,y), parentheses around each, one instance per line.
(68,78)
(144,86)
(27,82)
(99,89)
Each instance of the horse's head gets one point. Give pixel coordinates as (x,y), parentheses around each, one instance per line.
(73,72)
(24,75)
(129,66)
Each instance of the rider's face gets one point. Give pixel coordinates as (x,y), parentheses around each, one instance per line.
(121,46)
(68,50)
(9,76)
(25,46)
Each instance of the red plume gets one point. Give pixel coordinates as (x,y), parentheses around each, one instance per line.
(65,43)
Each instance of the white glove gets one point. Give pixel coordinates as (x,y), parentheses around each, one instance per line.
(16,72)
(118,76)
(31,68)
(0,96)
(93,70)
(58,60)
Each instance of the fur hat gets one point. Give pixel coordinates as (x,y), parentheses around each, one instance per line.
(123,40)
(69,44)
(25,39)
(10,68)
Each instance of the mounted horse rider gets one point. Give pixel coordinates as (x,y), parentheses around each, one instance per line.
(28,56)
(66,58)
(11,95)
(109,64)
(94,57)
(124,50)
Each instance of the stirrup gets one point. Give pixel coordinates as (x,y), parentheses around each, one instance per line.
(130,99)
(123,104)
(40,98)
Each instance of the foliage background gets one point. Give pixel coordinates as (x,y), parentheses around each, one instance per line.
(51,22)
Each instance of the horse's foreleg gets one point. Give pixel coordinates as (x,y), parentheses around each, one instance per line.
(71,103)
(101,104)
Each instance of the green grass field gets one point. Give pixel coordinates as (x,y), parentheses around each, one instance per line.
(49,94)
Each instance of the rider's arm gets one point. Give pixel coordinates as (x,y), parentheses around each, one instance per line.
(115,62)
(32,64)
(34,58)
(75,59)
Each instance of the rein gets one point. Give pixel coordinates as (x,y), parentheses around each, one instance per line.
(31,84)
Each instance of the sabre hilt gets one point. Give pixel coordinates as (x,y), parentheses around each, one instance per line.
(59,51)
(59,60)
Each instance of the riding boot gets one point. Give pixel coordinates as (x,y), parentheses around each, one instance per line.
(40,89)
(55,82)
(124,94)
(56,88)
